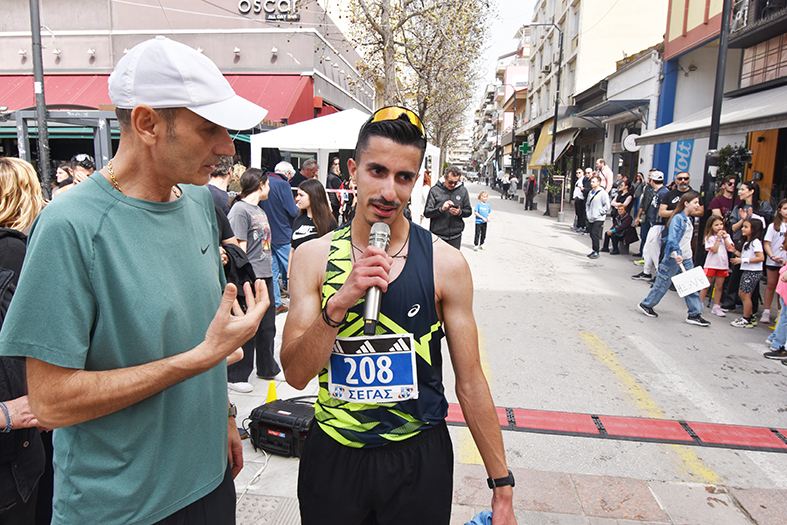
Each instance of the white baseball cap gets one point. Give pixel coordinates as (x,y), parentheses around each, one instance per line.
(162,73)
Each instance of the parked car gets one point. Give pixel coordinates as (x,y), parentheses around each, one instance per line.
(472,176)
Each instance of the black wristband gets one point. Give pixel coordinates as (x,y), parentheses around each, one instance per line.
(501,482)
(330,322)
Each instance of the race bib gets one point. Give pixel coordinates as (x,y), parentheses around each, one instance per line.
(374,369)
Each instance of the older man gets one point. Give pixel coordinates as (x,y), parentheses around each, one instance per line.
(281,210)
(309,170)
(131,373)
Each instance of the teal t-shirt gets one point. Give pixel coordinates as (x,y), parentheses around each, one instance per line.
(111,282)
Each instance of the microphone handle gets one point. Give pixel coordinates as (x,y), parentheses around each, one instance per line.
(371,310)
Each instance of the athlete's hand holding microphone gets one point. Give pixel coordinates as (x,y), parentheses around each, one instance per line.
(368,278)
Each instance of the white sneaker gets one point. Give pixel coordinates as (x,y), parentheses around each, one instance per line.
(716,310)
(475,248)
(242,387)
(482,247)
(766,317)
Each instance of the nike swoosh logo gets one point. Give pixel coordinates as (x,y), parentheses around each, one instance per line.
(203,250)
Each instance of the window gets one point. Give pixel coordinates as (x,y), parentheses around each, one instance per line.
(765,61)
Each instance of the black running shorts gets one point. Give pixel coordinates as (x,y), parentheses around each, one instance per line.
(406,482)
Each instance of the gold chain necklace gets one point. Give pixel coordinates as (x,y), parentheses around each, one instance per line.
(114,181)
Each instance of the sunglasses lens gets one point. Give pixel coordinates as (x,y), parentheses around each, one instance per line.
(394,112)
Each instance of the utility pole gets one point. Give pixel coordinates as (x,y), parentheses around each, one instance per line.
(712,157)
(41,112)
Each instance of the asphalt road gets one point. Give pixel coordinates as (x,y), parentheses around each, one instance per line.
(560,332)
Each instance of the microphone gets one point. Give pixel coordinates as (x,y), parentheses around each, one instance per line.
(379,236)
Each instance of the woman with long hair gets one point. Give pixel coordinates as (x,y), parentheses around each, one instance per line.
(315,218)
(677,250)
(250,225)
(20,439)
(750,208)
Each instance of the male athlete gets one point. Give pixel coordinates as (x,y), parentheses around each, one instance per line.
(379,451)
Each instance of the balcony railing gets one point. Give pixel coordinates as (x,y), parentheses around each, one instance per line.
(746,13)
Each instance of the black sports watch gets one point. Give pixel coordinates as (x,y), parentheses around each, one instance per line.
(501,482)
(233,410)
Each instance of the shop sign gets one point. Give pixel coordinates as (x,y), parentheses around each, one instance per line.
(683,155)
(276,10)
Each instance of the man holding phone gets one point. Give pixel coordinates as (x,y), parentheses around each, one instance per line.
(447,205)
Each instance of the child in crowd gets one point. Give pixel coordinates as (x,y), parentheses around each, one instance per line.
(750,257)
(481,212)
(677,250)
(779,336)
(773,246)
(717,244)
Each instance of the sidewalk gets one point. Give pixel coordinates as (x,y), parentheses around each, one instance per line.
(540,496)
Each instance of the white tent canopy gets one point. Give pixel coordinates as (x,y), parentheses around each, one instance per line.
(322,136)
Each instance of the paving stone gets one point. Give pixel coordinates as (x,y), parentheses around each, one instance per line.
(698,503)
(619,498)
(766,506)
(254,510)
(529,517)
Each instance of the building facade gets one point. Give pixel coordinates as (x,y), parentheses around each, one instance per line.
(286,56)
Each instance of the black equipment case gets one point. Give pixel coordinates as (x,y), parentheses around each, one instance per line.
(280,427)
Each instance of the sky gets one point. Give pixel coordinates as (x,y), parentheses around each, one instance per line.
(510,16)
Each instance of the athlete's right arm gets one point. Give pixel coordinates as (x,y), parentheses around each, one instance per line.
(307,339)
(61,397)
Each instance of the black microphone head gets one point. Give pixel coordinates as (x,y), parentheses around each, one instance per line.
(380,235)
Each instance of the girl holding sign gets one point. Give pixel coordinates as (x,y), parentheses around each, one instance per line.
(750,258)
(677,251)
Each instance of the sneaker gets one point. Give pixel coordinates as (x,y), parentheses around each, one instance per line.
(615,252)
(781,353)
(641,276)
(604,250)
(640,262)
(482,247)
(283,309)
(766,317)
(647,310)
(475,248)
(742,322)
(593,255)
(716,310)
(697,320)
(242,387)
(277,377)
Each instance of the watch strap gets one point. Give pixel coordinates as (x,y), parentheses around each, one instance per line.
(501,482)
(233,410)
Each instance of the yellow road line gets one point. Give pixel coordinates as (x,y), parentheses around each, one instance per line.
(466,450)
(686,460)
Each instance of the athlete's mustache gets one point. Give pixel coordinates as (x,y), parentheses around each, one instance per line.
(383,202)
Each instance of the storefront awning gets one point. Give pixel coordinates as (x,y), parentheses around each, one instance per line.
(288,97)
(611,107)
(564,140)
(753,112)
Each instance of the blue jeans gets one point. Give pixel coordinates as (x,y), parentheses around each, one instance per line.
(667,269)
(779,337)
(281,253)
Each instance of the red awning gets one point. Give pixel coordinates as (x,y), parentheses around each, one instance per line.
(16,91)
(284,96)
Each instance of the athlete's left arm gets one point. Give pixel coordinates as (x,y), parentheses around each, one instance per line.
(454,291)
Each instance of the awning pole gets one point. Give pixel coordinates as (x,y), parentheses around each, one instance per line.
(41,113)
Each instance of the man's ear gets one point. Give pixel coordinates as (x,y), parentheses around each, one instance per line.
(352,167)
(147,124)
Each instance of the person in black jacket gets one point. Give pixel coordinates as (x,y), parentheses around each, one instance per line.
(447,205)
(22,454)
